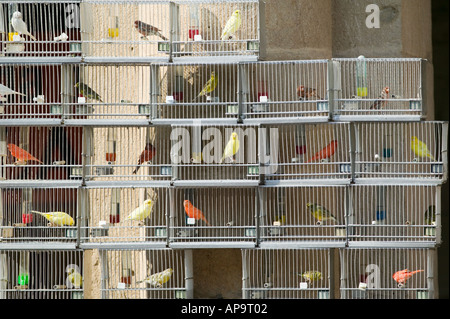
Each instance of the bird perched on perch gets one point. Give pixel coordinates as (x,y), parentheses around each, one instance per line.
(311,275)
(57,218)
(194,212)
(404,275)
(4,91)
(325,153)
(158,279)
(231,26)
(209,86)
(142,212)
(22,156)
(320,213)
(430,215)
(146,156)
(74,279)
(88,92)
(19,25)
(380,104)
(307,94)
(148,30)
(420,148)
(231,148)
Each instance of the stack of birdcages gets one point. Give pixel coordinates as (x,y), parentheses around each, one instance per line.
(141,130)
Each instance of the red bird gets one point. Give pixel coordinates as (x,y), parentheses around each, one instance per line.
(327,152)
(146,155)
(402,276)
(147,29)
(384,96)
(306,94)
(21,155)
(194,212)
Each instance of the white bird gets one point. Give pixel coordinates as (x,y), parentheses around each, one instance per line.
(4,90)
(19,25)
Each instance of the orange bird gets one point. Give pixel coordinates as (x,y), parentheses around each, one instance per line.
(194,212)
(402,276)
(305,93)
(146,155)
(21,155)
(327,152)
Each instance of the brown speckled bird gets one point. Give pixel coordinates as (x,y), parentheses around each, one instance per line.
(305,93)
(148,30)
(384,96)
(146,155)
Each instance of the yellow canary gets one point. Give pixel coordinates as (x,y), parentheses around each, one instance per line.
(311,275)
(141,212)
(232,147)
(420,148)
(57,218)
(232,25)
(88,92)
(209,86)
(158,279)
(320,213)
(75,278)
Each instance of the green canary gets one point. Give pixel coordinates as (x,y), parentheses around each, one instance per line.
(209,86)
(88,92)
(311,275)
(430,215)
(320,213)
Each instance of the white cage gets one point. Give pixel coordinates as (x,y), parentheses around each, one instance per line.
(307,215)
(213,217)
(395,214)
(387,273)
(286,274)
(41,274)
(145,274)
(378,89)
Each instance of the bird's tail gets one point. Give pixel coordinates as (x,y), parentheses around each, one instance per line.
(416,271)
(430,156)
(162,37)
(36,212)
(207,223)
(31,36)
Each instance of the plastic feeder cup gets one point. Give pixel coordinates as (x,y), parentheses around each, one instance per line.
(27,218)
(23,279)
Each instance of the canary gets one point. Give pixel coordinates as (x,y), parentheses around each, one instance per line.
(231,26)
(232,147)
(311,275)
(75,278)
(142,212)
(19,25)
(380,104)
(22,156)
(306,94)
(320,213)
(210,85)
(194,212)
(325,153)
(88,92)
(147,29)
(57,218)
(420,148)
(158,279)
(402,276)
(146,155)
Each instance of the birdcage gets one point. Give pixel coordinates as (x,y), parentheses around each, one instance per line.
(187,92)
(414,151)
(38,214)
(211,28)
(213,217)
(286,274)
(378,89)
(305,215)
(308,152)
(41,153)
(41,274)
(145,274)
(388,273)
(40,28)
(394,215)
(117,215)
(284,91)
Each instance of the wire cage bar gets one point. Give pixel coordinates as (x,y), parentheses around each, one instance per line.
(213,217)
(387,273)
(40,214)
(143,274)
(41,274)
(286,274)
(414,151)
(308,215)
(293,90)
(378,88)
(40,28)
(124,215)
(395,213)
(309,152)
(40,153)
